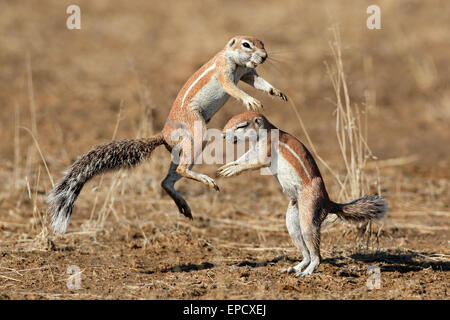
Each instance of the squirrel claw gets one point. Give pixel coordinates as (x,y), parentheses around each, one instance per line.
(278,93)
(253,105)
(183,208)
(287,270)
(185,211)
(210,182)
(229,170)
(188,214)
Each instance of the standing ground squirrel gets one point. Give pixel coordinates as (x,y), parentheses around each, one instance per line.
(199,99)
(300,178)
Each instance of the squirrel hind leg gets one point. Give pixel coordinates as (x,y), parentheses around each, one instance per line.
(187,156)
(311,211)
(168,184)
(295,232)
(310,227)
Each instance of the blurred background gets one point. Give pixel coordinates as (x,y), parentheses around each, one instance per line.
(80,76)
(119,75)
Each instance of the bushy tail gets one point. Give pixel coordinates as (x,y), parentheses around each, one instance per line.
(113,155)
(362,209)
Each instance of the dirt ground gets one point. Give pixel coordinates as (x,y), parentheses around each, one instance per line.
(118,76)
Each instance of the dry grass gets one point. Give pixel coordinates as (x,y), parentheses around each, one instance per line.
(351,133)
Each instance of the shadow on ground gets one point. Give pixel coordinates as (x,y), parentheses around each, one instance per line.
(391,262)
(403,262)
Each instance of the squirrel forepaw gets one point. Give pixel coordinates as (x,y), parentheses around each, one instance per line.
(253,105)
(228,170)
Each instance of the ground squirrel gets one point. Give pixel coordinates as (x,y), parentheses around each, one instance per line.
(200,98)
(300,178)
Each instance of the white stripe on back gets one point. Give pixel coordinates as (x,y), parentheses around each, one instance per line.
(297,157)
(196,80)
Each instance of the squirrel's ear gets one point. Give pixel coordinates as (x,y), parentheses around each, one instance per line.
(232,41)
(258,121)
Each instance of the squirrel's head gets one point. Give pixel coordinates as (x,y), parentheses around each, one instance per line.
(246,51)
(246,125)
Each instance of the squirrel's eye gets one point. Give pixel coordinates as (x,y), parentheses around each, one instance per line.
(242,125)
(246,45)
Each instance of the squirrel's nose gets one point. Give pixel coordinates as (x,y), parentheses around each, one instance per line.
(264,56)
